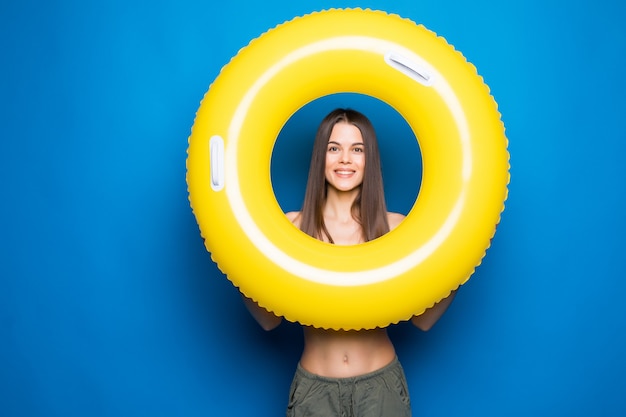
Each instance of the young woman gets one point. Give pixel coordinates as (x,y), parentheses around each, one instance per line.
(347,373)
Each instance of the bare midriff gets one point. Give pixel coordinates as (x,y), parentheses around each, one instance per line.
(344,354)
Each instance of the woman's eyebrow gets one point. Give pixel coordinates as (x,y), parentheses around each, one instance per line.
(352,144)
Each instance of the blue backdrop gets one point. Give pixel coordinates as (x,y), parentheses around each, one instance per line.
(110,305)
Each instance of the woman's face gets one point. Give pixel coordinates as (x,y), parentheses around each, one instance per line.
(345,157)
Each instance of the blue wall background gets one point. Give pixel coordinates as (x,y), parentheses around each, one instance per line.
(110,305)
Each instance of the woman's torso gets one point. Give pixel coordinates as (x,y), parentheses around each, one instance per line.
(341,354)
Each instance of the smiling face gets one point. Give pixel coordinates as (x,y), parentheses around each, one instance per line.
(345,157)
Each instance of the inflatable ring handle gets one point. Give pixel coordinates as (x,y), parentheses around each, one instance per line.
(464,182)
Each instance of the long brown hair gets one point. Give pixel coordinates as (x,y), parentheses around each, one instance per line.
(369,208)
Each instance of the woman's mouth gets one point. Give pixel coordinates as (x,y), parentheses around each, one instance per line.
(344,173)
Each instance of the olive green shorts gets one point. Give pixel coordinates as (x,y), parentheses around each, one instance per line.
(382,393)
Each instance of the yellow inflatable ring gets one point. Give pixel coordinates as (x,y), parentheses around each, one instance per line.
(464,183)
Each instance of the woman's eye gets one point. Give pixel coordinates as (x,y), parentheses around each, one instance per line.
(359,150)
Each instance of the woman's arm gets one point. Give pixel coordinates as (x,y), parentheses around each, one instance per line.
(428,318)
(266,319)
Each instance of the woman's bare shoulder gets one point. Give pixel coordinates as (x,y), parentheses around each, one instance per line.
(394,219)
(294,217)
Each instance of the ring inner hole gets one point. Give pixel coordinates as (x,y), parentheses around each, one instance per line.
(400,154)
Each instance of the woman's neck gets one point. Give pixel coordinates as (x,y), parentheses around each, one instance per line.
(338,204)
